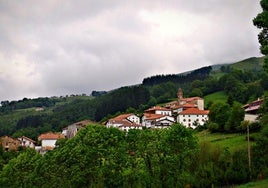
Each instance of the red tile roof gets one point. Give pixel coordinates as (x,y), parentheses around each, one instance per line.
(50,136)
(123,122)
(192,99)
(194,111)
(121,117)
(154,108)
(152,116)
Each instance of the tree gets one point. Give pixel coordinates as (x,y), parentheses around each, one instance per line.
(237,115)
(219,114)
(261,22)
(19,172)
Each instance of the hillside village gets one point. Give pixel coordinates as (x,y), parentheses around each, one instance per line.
(189,112)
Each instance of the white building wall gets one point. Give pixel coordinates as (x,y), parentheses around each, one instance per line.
(134,119)
(48,143)
(189,120)
(200,104)
(251,117)
(111,124)
(163,112)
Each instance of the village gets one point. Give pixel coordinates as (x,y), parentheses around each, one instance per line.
(189,112)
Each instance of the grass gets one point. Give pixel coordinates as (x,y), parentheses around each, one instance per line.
(254,63)
(216,97)
(257,184)
(233,141)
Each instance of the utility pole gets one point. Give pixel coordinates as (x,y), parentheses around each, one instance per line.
(249,158)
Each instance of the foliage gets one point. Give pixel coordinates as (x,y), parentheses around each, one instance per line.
(19,171)
(120,100)
(261,22)
(107,157)
(198,74)
(226,118)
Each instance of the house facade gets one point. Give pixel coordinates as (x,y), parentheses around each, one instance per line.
(157,120)
(48,140)
(26,142)
(159,110)
(253,107)
(125,122)
(9,143)
(193,117)
(71,130)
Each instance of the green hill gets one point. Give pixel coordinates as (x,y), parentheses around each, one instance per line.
(253,63)
(216,97)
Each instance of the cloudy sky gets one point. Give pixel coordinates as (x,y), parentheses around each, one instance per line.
(59,47)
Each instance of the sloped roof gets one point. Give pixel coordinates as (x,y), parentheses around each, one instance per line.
(121,117)
(123,122)
(154,108)
(152,116)
(50,136)
(83,123)
(26,138)
(194,111)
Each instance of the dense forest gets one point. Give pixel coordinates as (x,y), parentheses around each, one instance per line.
(199,74)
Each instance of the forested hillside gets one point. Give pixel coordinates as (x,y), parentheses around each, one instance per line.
(242,85)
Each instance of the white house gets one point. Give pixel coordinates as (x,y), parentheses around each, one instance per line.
(125,122)
(251,117)
(157,120)
(48,140)
(193,117)
(159,110)
(26,142)
(126,126)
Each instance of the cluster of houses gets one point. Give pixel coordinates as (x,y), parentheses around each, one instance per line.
(46,141)
(186,111)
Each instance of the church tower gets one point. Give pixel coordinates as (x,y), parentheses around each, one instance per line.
(180,94)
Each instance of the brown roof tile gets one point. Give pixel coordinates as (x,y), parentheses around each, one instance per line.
(194,111)
(50,136)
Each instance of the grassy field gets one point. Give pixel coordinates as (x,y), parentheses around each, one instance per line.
(232,141)
(257,184)
(254,63)
(216,97)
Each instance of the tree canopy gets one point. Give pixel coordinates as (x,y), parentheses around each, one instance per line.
(261,22)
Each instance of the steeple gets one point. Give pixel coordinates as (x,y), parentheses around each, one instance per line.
(180,94)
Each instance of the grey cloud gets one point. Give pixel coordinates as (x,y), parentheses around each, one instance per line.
(66,47)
